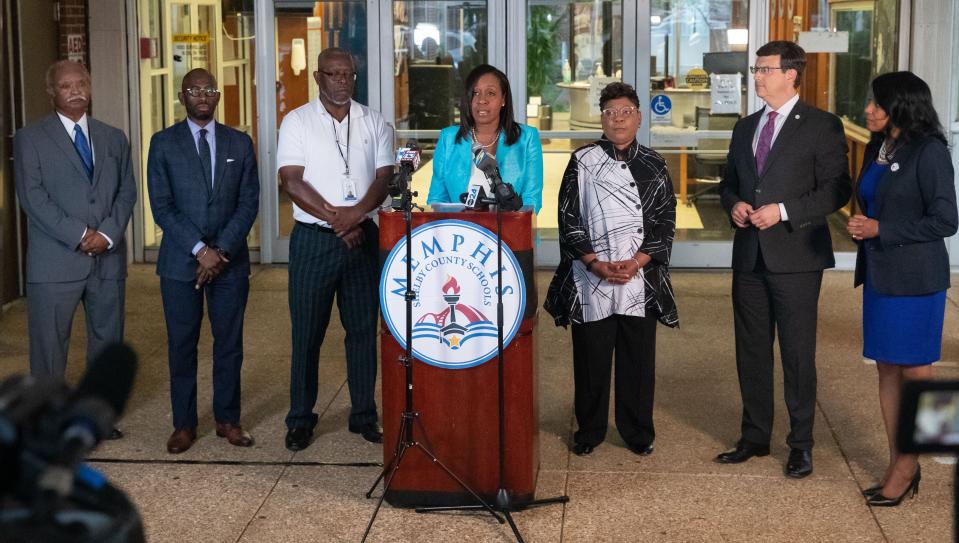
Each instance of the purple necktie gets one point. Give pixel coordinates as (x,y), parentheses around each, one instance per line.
(765,141)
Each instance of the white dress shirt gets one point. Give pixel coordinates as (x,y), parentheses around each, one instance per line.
(781,114)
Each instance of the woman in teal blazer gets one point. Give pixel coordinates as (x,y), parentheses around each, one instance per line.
(486,116)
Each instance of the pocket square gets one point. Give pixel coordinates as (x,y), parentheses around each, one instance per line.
(229,160)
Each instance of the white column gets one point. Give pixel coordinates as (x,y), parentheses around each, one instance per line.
(938,24)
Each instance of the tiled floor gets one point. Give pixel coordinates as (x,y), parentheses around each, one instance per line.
(219,493)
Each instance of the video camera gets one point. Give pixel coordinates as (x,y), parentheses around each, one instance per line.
(929,423)
(46,430)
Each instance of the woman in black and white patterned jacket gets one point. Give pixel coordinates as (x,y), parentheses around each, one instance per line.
(617,218)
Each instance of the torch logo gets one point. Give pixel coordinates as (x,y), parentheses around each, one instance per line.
(454,279)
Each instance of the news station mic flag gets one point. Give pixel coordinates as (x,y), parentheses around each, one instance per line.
(494,190)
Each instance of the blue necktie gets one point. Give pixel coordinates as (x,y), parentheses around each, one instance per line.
(83,149)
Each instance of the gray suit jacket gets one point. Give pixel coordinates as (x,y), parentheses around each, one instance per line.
(60,200)
(807,171)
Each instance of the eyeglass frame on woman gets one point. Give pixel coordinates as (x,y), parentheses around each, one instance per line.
(626,112)
(195,92)
(339,75)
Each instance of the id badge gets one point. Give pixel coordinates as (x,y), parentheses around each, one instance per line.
(349,189)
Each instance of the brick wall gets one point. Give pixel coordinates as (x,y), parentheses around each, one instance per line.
(73,31)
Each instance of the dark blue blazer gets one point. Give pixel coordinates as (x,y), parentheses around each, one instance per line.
(189,210)
(916,209)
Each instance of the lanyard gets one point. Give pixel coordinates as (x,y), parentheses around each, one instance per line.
(336,138)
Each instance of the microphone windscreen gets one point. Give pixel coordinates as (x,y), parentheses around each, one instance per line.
(110,377)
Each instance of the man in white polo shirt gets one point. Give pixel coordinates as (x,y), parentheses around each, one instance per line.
(334,158)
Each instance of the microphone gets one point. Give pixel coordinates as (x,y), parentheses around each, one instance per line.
(409,160)
(98,401)
(477,195)
(502,193)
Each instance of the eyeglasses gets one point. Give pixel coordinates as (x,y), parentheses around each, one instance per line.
(345,76)
(765,69)
(625,112)
(197,91)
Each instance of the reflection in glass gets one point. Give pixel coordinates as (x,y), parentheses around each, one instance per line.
(435,46)
(853,70)
(573,50)
(698,66)
(216,36)
(317,26)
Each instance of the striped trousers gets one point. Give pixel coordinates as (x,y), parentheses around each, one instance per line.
(322,268)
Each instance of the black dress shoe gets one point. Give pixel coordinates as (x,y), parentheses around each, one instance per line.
(581,449)
(298,439)
(799,464)
(370,432)
(743,451)
(115,434)
(645,450)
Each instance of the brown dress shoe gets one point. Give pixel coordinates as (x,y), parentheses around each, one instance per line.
(234,433)
(181,440)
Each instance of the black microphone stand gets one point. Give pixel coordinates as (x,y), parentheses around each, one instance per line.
(504,498)
(405,439)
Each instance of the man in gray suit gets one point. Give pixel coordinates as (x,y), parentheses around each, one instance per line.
(75,182)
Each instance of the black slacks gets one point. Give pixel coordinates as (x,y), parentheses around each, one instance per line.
(763,304)
(633,339)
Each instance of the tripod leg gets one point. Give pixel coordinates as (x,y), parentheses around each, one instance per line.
(394,466)
(512,525)
(393,461)
(460,482)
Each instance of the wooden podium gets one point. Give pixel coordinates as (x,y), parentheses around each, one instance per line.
(458,408)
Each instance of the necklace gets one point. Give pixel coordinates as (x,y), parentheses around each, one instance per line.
(886,152)
(486,145)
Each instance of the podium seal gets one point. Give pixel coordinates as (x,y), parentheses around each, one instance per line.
(455,280)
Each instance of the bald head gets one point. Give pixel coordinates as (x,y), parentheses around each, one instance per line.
(334,53)
(199,95)
(198,77)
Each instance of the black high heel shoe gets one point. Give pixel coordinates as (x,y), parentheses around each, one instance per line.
(879,500)
(871,491)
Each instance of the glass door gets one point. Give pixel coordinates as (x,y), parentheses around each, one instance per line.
(573,49)
(295,32)
(699,53)
(434,44)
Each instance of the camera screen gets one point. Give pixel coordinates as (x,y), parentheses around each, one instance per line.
(937,418)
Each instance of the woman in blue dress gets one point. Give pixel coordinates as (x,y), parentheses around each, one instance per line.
(486,120)
(907,197)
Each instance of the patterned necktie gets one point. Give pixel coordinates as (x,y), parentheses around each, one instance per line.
(204,150)
(83,149)
(765,141)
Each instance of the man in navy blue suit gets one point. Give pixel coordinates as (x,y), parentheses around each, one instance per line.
(205,196)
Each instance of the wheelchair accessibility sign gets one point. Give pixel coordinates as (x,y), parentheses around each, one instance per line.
(661,109)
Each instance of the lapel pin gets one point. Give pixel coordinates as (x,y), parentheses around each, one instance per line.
(894,167)
(797,116)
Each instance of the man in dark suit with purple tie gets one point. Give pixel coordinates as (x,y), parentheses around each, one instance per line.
(786,172)
(205,196)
